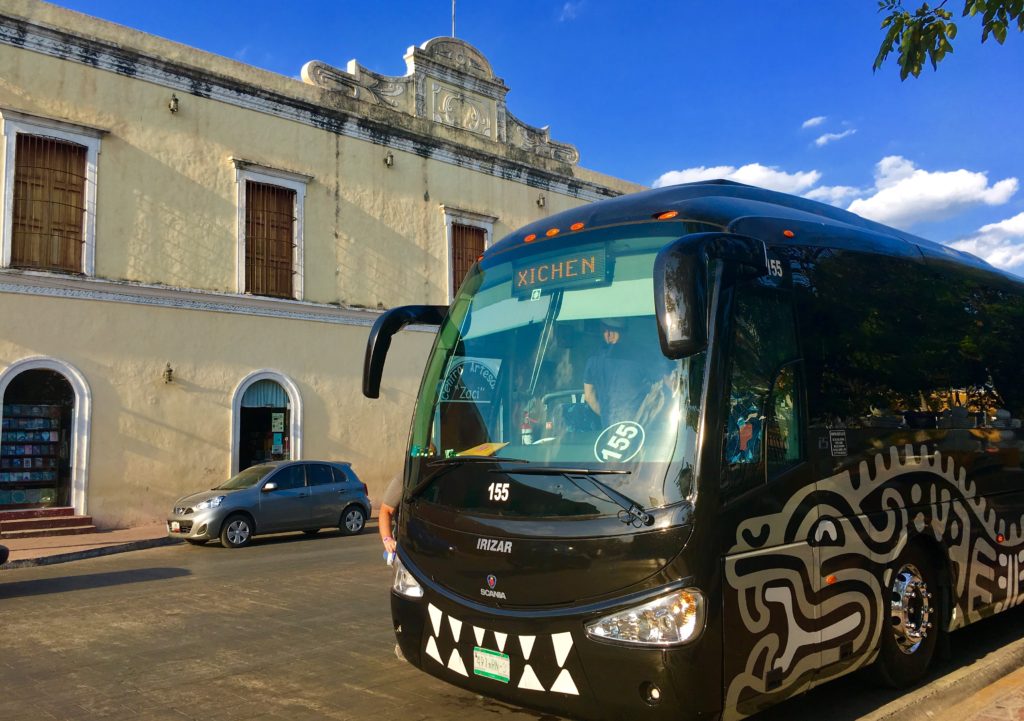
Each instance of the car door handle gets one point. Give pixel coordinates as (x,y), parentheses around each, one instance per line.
(303,495)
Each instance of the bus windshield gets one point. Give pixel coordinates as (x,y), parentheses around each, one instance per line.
(550,355)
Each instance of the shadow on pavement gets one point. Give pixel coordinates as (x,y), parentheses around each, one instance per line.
(43,586)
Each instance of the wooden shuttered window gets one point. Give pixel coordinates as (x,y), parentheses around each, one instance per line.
(49,204)
(269,240)
(467,246)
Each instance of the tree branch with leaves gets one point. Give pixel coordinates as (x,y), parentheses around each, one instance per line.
(926,34)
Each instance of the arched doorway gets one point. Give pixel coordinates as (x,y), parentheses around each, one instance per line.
(267,415)
(37,446)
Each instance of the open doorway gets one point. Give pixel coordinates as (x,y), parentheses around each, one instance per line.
(264,424)
(35,450)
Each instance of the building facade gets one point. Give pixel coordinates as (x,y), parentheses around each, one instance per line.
(193,251)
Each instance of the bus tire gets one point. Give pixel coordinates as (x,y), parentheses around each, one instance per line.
(911,620)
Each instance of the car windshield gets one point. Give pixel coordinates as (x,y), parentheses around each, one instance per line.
(551,356)
(246,479)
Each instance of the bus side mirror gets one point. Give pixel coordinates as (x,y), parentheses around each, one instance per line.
(379,342)
(680,285)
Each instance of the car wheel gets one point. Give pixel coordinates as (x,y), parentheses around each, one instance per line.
(911,624)
(311,531)
(197,541)
(353,520)
(236,531)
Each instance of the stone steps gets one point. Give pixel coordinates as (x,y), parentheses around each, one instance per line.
(43,522)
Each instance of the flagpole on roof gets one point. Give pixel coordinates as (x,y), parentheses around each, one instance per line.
(453,18)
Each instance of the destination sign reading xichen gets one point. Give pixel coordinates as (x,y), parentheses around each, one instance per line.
(583,267)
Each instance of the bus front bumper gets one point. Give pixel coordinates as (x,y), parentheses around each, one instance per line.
(550,664)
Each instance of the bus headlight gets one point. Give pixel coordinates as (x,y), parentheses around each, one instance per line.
(404,582)
(669,620)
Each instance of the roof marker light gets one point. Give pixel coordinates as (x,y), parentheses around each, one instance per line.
(667,215)
(576,226)
(530,238)
(788,233)
(552,233)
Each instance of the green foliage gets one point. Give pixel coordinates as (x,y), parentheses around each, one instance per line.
(925,34)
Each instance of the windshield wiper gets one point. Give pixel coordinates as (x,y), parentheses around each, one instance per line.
(632,514)
(443,465)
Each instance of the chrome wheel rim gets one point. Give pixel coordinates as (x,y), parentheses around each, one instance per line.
(910,609)
(238,532)
(353,521)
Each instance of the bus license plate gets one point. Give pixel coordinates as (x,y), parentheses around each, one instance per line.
(490,664)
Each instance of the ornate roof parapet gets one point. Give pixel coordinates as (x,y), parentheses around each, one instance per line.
(449,82)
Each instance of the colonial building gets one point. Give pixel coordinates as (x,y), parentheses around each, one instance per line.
(194,249)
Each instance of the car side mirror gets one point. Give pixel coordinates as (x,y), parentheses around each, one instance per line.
(680,285)
(269,486)
(379,341)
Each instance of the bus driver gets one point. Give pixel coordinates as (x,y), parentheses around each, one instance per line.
(615,381)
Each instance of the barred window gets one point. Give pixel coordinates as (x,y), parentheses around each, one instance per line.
(49,204)
(467,246)
(269,239)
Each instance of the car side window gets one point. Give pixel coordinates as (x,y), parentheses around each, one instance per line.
(319,475)
(290,477)
(339,475)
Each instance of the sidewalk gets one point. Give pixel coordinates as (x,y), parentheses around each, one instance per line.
(57,549)
(1001,700)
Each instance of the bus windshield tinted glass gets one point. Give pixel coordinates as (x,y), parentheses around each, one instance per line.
(550,355)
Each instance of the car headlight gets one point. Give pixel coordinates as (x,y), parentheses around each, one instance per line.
(404,582)
(209,503)
(666,621)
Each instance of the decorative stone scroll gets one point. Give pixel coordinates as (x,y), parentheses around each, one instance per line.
(448,82)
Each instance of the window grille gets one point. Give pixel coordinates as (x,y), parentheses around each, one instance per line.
(49,204)
(269,239)
(467,246)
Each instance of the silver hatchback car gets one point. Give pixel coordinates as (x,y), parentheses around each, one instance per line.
(271,498)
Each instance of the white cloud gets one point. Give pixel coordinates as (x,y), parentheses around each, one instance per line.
(570,11)
(833,194)
(814,122)
(827,138)
(751,174)
(905,194)
(1001,244)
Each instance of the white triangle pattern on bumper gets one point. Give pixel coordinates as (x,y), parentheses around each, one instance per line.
(455,663)
(561,643)
(529,681)
(456,625)
(432,650)
(564,684)
(436,614)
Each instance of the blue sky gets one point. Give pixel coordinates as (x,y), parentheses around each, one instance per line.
(778,94)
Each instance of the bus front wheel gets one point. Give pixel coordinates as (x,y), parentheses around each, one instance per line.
(910,621)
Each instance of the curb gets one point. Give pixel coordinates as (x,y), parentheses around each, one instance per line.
(940,695)
(91,553)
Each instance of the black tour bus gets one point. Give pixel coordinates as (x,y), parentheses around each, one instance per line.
(690,452)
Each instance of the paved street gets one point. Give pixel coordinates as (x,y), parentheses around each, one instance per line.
(293,628)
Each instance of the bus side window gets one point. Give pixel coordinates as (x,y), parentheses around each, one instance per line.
(782,428)
(761,419)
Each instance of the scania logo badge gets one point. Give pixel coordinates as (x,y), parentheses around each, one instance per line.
(492,581)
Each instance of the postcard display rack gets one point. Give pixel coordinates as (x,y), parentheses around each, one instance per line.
(30,455)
